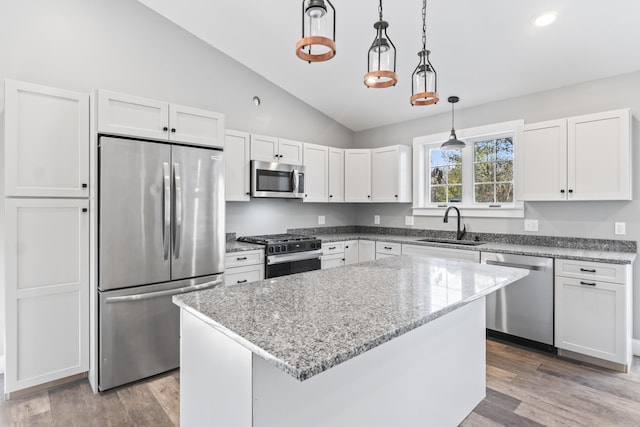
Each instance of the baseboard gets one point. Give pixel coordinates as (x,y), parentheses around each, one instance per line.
(2,364)
(636,347)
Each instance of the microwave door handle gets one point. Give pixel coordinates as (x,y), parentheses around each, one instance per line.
(177,180)
(166,210)
(296,180)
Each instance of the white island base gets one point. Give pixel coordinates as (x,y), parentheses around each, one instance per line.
(433,375)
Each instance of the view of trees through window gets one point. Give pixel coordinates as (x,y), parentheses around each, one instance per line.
(493,171)
(446,176)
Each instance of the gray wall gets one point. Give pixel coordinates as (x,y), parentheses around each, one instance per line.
(577,219)
(123,46)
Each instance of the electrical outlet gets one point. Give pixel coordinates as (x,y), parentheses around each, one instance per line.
(376,219)
(530,225)
(408,220)
(621,228)
(321,219)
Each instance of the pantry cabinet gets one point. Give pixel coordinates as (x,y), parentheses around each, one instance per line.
(271,149)
(129,115)
(336,175)
(391,176)
(237,162)
(579,158)
(46,141)
(357,175)
(316,179)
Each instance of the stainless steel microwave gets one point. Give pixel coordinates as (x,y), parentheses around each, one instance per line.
(277,180)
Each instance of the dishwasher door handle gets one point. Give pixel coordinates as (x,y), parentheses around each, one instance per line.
(515,265)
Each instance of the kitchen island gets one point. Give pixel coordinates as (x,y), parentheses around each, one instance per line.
(398,341)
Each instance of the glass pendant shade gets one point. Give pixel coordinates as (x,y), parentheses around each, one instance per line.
(318,31)
(453,143)
(424,82)
(381,62)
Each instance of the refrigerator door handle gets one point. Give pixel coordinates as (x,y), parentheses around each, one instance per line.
(178,212)
(166,210)
(138,297)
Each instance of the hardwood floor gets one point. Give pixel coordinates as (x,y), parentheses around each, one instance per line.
(524,388)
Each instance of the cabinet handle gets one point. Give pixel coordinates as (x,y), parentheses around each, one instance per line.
(396,196)
(332,247)
(85,210)
(369,196)
(587,283)
(588,270)
(84,185)
(570,191)
(275,157)
(306,195)
(242,281)
(330,195)
(241,258)
(346,247)
(281,156)
(248,194)
(164,129)
(343,259)
(562,191)
(173,130)
(388,247)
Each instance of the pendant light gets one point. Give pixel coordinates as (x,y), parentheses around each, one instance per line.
(318,31)
(424,80)
(381,62)
(453,143)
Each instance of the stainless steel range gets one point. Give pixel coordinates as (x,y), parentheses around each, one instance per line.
(288,253)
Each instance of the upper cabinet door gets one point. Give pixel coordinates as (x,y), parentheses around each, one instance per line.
(600,167)
(316,162)
(46,141)
(391,177)
(122,114)
(290,152)
(357,175)
(195,126)
(236,171)
(336,175)
(542,161)
(264,148)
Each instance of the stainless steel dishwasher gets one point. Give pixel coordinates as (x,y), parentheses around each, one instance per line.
(523,310)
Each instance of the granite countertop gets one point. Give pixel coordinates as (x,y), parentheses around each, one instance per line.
(593,255)
(235,246)
(309,322)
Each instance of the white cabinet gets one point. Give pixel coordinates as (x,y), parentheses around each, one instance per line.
(439,252)
(316,179)
(391,176)
(593,311)
(124,114)
(351,255)
(47,290)
(580,158)
(336,175)
(332,255)
(387,249)
(366,250)
(46,141)
(272,149)
(357,175)
(243,267)
(236,166)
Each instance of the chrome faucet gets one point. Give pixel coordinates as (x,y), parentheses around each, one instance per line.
(459,234)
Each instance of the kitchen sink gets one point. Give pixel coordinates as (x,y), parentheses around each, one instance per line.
(453,242)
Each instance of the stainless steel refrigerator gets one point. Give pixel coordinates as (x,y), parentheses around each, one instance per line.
(161,232)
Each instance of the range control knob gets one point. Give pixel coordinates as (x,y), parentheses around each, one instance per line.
(271,249)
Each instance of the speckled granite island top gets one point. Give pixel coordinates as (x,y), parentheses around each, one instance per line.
(309,322)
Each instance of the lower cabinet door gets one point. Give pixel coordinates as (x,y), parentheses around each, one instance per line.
(247,274)
(366,250)
(47,290)
(351,252)
(332,261)
(590,318)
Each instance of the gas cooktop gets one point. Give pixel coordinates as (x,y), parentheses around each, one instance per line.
(269,239)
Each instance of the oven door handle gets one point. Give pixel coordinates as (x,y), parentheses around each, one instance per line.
(298,256)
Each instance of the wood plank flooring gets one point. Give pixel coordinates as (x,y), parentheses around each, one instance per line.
(524,388)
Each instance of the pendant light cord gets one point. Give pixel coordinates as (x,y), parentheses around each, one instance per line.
(424,24)
(380,10)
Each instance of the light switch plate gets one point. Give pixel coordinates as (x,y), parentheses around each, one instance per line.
(408,220)
(530,225)
(376,219)
(621,228)
(321,219)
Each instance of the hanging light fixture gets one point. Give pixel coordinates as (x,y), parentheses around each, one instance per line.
(381,62)
(453,143)
(318,31)
(424,80)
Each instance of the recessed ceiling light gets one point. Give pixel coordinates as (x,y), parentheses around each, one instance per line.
(546,18)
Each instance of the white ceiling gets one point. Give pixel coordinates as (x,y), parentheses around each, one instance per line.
(483,51)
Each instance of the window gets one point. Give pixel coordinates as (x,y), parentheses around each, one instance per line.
(479,178)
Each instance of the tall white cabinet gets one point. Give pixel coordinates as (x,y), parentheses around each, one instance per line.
(46,161)
(236,170)
(336,175)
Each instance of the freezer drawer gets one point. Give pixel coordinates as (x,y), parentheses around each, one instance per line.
(140,331)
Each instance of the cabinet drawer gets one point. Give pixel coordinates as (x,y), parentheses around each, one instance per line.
(237,259)
(238,275)
(331,261)
(333,248)
(388,248)
(615,273)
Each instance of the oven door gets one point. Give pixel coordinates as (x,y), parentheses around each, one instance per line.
(298,262)
(277,180)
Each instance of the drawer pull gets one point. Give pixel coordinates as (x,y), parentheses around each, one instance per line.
(587,283)
(588,270)
(242,281)
(388,247)
(241,258)
(332,248)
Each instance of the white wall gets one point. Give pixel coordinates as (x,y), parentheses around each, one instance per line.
(123,46)
(575,219)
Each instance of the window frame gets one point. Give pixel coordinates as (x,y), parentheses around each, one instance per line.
(421,166)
